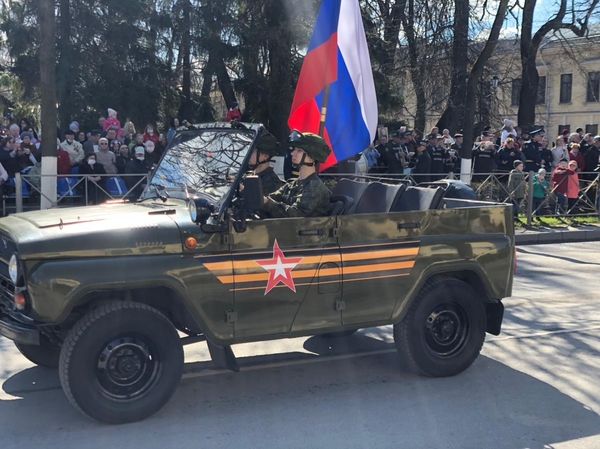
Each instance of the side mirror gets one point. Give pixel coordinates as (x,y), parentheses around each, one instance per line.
(200,210)
(253,193)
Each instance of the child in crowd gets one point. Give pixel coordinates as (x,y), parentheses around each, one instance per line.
(540,188)
(573,187)
(516,186)
(112,121)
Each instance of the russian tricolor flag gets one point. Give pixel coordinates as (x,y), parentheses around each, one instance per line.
(337,56)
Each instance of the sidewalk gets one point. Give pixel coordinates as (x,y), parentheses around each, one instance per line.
(583,233)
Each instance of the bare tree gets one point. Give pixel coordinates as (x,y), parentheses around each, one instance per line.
(473,81)
(530,44)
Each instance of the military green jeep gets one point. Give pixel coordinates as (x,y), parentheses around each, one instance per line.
(110,294)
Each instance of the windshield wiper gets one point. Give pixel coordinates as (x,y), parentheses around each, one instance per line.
(158,188)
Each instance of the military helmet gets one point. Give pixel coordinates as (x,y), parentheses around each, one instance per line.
(312,144)
(268,144)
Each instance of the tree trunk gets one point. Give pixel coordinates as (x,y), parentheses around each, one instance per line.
(224,81)
(531,45)
(65,65)
(416,69)
(48,105)
(187,106)
(280,88)
(391,31)
(452,118)
(474,78)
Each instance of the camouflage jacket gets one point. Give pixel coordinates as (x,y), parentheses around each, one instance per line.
(270,181)
(308,197)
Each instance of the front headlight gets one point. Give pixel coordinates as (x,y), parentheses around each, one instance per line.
(193,211)
(13,268)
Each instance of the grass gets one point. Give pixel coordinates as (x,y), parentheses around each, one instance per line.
(556,222)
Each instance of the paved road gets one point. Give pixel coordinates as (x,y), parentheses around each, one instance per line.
(535,386)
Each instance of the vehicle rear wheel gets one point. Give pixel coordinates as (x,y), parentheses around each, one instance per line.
(46,354)
(444,329)
(121,362)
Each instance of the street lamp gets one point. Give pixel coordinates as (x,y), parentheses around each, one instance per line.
(495,81)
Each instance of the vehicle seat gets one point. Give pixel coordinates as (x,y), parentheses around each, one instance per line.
(116,186)
(338,204)
(351,189)
(66,186)
(419,198)
(379,197)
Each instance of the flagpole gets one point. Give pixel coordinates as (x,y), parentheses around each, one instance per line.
(324,110)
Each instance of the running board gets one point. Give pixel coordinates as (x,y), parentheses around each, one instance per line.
(223,356)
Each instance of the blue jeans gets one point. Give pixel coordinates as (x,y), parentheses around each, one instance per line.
(561,202)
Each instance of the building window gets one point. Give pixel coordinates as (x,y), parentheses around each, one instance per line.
(516,92)
(593,87)
(563,127)
(541,93)
(566,86)
(591,129)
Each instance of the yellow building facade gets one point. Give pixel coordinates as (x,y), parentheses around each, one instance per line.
(568,94)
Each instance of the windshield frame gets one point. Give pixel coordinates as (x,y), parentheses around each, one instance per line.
(196,130)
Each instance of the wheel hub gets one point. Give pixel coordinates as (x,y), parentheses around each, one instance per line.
(446,329)
(127,368)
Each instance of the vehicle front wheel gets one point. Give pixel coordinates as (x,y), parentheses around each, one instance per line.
(444,329)
(121,362)
(46,354)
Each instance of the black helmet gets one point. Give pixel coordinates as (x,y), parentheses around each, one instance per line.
(268,144)
(312,144)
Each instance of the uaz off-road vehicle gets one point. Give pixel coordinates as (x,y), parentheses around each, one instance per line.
(109,294)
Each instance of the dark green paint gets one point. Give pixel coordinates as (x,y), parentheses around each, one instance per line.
(68,253)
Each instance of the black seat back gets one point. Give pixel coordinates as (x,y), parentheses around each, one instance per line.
(338,204)
(349,188)
(419,198)
(379,197)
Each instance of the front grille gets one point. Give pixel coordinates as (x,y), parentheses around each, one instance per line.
(7,290)
(7,249)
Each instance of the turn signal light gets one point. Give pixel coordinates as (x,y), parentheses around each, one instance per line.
(20,300)
(190,243)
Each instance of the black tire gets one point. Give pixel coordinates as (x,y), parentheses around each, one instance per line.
(444,329)
(121,362)
(340,334)
(45,355)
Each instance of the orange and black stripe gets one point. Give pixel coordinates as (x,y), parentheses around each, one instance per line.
(360,262)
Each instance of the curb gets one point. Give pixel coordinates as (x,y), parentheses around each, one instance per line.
(538,238)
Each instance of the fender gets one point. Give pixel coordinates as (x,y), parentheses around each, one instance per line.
(443,268)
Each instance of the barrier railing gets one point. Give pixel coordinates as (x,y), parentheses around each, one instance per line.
(584,198)
(577,199)
(72,190)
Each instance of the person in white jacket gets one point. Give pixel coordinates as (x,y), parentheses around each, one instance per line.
(507,131)
(559,152)
(74,148)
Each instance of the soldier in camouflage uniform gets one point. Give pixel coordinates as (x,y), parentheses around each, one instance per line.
(305,196)
(266,148)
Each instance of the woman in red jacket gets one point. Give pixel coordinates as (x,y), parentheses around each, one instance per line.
(151,134)
(560,185)
(573,187)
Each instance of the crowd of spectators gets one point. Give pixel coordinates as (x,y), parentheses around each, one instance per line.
(493,151)
(109,149)
(508,154)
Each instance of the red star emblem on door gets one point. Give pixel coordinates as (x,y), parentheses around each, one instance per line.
(280,269)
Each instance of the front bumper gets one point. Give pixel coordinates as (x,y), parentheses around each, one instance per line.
(19,332)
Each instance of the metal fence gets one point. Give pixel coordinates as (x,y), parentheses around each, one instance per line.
(584,200)
(24,193)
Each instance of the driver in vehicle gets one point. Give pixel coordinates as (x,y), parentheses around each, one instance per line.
(266,148)
(306,196)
